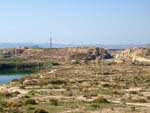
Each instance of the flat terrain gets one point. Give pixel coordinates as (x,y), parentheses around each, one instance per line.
(89,87)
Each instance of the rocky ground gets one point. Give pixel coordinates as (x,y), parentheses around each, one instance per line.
(87,87)
(61,54)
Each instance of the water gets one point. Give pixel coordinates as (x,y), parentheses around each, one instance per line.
(4,79)
(8,75)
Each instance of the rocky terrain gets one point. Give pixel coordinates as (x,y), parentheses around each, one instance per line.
(135,54)
(92,86)
(81,53)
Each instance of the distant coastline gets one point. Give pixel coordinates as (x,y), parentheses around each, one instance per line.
(55,45)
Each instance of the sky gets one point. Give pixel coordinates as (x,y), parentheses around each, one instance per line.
(75,21)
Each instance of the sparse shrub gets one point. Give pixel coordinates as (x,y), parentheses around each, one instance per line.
(106,73)
(3,103)
(50,64)
(54,102)
(100,100)
(87,96)
(55,63)
(30,101)
(108,84)
(142,100)
(148,97)
(31,108)
(26,96)
(105,84)
(139,100)
(22,87)
(16,92)
(15,103)
(75,62)
(16,111)
(39,110)
(58,82)
(116,92)
(5,93)
(15,80)
(112,108)
(133,92)
(132,108)
(85,62)
(85,85)
(95,105)
(1,109)
(32,92)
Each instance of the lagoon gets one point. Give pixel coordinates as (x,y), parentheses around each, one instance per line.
(7,76)
(4,79)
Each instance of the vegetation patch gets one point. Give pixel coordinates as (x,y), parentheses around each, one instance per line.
(100,100)
(54,102)
(30,101)
(138,100)
(40,110)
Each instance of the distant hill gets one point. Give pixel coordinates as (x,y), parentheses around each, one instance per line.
(14,45)
(46,45)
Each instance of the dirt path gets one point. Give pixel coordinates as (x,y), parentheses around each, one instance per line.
(52,71)
(133,104)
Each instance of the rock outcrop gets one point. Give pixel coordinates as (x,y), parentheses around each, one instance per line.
(135,54)
(92,54)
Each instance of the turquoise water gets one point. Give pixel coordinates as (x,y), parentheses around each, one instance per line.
(8,75)
(4,79)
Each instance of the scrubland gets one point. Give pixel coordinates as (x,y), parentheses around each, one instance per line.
(80,87)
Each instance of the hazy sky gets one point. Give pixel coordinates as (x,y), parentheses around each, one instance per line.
(75,21)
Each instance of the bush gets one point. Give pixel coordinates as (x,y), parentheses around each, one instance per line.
(133,92)
(15,103)
(16,111)
(55,63)
(32,92)
(95,106)
(39,110)
(30,101)
(85,84)
(1,109)
(105,84)
(139,100)
(75,62)
(54,102)
(3,103)
(100,100)
(133,108)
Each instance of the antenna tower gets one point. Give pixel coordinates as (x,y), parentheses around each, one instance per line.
(50,42)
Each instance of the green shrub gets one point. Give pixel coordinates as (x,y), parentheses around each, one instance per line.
(3,103)
(32,92)
(100,100)
(95,106)
(76,62)
(30,101)
(15,111)
(133,92)
(133,108)
(54,102)
(15,103)
(39,110)
(55,63)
